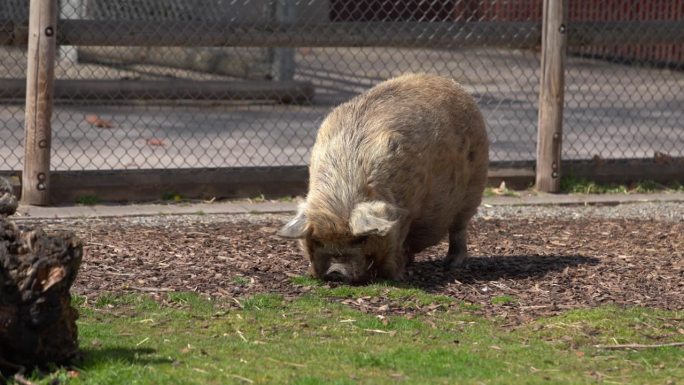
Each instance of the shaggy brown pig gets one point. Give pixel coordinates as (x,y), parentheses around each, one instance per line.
(392,172)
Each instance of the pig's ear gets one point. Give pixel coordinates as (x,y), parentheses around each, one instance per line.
(374,218)
(296,228)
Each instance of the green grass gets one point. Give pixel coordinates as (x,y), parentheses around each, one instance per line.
(257,199)
(495,192)
(170,196)
(239,280)
(572,184)
(87,200)
(504,300)
(409,296)
(130,339)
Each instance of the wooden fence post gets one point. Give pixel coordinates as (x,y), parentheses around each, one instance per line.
(39,89)
(550,124)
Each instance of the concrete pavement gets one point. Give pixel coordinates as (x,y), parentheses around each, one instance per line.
(251,207)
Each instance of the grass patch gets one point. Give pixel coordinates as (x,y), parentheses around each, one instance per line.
(170,196)
(502,190)
(418,296)
(192,301)
(488,192)
(390,290)
(312,340)
(304,280)
(87,200)
(504,300)
(240,280)
(263,301)
(257,199)
(572,184)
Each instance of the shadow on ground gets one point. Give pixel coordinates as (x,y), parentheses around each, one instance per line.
(87,358)
(432,275)
(137,356)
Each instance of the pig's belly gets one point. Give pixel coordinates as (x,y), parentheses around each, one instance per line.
(438,212)
(422,236)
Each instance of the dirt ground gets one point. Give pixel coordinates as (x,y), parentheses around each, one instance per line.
(543,265)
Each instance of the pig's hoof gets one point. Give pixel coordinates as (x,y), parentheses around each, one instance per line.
(455,261)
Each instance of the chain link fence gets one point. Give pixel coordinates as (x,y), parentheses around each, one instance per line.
(626,100)
(254,97)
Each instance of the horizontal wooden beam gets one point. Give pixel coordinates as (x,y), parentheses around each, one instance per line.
(146,185)
(353,34)
(170,89)
(599,33)
(663,170)
(346,34)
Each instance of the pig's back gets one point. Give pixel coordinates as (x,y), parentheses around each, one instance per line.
(415,141)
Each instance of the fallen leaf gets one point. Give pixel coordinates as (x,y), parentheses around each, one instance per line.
(501,190)
(662,158)
(398,376)
(155,142)
(391,333)
(98,122)
(598,161)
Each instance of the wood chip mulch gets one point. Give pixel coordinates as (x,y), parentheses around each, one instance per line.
(541,266)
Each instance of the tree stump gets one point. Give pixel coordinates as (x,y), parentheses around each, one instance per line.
(8,202)
(37,321)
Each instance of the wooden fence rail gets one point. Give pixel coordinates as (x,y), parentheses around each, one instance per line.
(173,89)
(513,34)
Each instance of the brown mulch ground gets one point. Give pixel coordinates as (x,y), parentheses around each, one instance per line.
(548,265)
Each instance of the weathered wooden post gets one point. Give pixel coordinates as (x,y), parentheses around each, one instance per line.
(39,89)
(550,126)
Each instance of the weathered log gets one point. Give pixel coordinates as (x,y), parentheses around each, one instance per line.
(37,321)
(8,202)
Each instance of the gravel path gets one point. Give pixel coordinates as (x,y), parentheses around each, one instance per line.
(543,259)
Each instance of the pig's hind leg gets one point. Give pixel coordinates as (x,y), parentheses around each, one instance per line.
(458,248)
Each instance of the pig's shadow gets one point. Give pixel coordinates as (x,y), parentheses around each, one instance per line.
(431,275)
(134,356)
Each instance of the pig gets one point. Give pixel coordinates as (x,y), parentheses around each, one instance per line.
(392,172)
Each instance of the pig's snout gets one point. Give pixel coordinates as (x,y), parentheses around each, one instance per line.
(336,272)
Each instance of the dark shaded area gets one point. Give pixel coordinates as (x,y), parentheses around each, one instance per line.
(89,357)
(135,356)
(382,10)
(431,275)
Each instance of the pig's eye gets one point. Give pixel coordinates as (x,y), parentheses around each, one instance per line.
(359,240)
